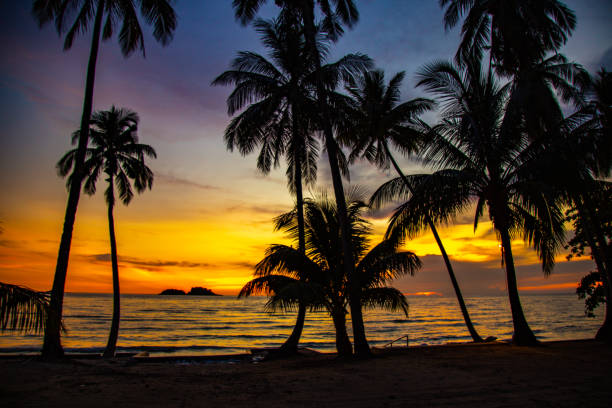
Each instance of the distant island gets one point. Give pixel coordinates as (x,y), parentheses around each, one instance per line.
(196,291)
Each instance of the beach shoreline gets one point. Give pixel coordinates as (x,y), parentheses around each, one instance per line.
(560,373)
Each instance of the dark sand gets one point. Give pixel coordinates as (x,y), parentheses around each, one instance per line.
(557,374)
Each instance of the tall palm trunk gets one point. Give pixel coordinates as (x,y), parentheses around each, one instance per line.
(343,343)
(361,344)
(52,347)
(291,344)
(109,352)
(466,316)
(523,336)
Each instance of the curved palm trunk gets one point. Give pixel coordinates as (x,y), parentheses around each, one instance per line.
(52,347)
(466,316)
(523,336)
(291,344)
(362,348)
(343,343)
(109,352)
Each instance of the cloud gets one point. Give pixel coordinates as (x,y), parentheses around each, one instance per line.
(238,264)
(271,210)
(175,180)
(6,243)
(150,265)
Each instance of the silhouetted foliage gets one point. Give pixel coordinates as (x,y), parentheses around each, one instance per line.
(23,309)
(343,12)
(71,18)
(484,159)
(591,289)
(318,279)
(115,152)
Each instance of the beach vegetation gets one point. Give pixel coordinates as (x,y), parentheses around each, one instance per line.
(114,151)
(335,14)
(318,279)
(482,158)
(375,119)
(71,19)
(281,115)
(23,309)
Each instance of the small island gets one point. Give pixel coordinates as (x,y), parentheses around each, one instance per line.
(195,291)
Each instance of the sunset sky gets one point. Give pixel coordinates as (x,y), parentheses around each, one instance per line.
(207,220)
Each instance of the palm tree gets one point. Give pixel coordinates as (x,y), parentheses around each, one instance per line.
(277,120)
(376,119)
(486,159)
(117,153)
(345,12)
(517,32)
(281,117)
(23,309)
(318,277)
(158,13)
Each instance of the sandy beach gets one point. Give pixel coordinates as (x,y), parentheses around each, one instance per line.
(557,374)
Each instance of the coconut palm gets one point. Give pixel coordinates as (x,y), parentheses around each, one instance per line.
(517,32)
(116,152)
(281,114)
(318,277)
(487,160)
(375,120)
(23,309)
(277,118)
(519,35)
(72,18)
(536,94)
(343,12)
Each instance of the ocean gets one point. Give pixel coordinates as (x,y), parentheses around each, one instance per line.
(194,325)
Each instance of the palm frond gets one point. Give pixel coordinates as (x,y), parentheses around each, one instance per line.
(384,298)
(23,309)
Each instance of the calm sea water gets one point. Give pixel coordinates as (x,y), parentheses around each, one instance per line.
(186,325)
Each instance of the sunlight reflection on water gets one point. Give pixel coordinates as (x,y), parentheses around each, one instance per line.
(225,325)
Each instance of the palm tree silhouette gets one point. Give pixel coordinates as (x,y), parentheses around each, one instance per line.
(518,35)
(116,152)
(158,13)
(318,277)
(487,159)
(278,119)
(376,119)
(344,12)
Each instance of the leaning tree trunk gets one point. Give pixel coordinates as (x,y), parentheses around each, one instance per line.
(109,352)
(362,348)
(291,344)
(343,343)
(466,316)
(52,347)
(523,336)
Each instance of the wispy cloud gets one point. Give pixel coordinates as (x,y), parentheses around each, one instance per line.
(179,181)
(150,265)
